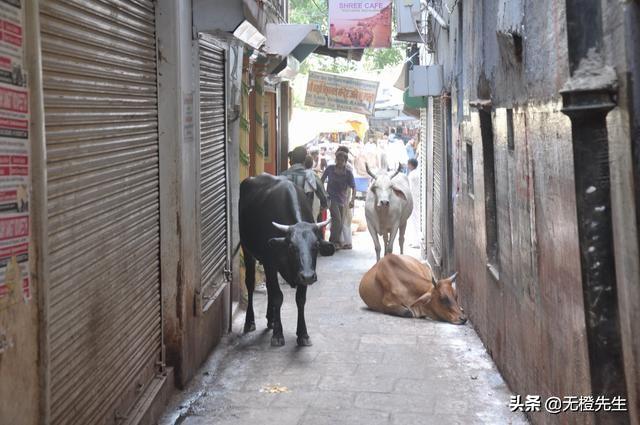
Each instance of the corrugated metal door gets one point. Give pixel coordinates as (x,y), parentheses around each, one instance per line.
(423,173)
(101,107)
(436,220)
(214,223)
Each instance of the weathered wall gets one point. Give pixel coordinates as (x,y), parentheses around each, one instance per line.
(19,363)
(189,335)
(621,37)
(19,344)
(531,317)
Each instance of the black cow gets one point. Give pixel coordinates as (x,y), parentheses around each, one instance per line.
(277,228)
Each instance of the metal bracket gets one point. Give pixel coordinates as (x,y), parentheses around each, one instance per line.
(228,274)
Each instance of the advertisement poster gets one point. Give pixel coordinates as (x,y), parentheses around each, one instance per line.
(15,284)
(359,24)
(333,91)
(11,43)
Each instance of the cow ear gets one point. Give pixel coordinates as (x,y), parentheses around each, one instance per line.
(277,243)
(400,194)
(424,299)
(327,249)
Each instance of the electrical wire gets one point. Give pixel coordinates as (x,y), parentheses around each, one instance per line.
(318,7)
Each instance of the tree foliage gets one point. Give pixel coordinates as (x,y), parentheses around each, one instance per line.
(316,12)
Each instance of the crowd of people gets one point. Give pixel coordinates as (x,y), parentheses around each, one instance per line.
(328,177)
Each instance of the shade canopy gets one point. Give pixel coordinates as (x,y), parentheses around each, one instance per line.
(297,39)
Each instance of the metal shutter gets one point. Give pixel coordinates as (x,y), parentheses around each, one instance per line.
(214,232)
(436,220)
(100,94)
(423,173)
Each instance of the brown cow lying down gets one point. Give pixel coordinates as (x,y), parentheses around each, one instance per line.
(402,286)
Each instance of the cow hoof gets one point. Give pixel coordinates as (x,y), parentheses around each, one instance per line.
(249,327)
(304,341)
(277,341)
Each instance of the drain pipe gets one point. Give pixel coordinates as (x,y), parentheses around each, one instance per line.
(587,98)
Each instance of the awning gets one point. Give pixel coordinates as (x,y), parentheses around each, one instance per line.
(298,40)
(289,43)
(402,82)
(288,68)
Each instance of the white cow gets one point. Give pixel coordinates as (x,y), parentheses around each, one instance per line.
(387,208)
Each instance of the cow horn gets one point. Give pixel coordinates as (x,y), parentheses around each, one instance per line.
(373,176)
(397,171)
(453,277)
(282,227)
(322,224)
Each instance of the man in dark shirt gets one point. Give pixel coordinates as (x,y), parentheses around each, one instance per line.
(339,179)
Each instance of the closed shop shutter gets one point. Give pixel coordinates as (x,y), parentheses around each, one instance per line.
(101,117)
(423,172)
(214,232)
(438,143)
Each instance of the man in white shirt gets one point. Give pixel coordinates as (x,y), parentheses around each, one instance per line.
(396,153)
(414,232)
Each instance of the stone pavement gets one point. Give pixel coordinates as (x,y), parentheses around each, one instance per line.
(363,368)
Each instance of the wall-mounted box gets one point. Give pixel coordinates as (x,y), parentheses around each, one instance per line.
(425,80)
(408,17)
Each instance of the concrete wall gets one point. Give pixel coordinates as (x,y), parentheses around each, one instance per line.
(531,316)
(189,333)
(621,38)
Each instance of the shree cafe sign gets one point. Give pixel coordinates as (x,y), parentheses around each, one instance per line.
(359,24)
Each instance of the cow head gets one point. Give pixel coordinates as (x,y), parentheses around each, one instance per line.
(383,186)
(441,302)
(301,244)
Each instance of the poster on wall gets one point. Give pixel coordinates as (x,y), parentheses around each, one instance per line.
(15,285)
(333,91)
(11,43)
(359,24)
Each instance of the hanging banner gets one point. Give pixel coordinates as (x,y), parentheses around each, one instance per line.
(333,91)
(15,284)
(359,24)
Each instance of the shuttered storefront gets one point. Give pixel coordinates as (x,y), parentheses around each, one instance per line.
(423,173)
(438,148)
(101,108)
(214,223)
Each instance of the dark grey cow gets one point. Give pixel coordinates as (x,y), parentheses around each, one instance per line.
(277,229)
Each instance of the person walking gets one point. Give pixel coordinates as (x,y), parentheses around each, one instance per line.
(339,179)
(310,188)
(411,150)
(347,212)
(414,219)
(304,178)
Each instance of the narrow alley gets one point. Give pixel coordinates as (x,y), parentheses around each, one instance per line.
(157,155)
(363,368)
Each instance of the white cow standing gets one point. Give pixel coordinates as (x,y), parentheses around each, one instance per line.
(387,208)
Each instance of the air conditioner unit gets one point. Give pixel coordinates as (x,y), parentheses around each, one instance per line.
(408,17)
(425,80)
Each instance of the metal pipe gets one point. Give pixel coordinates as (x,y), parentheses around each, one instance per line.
(38,207)
(437,17)
(587,98)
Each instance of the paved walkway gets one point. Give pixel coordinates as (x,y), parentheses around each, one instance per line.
(363,368)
